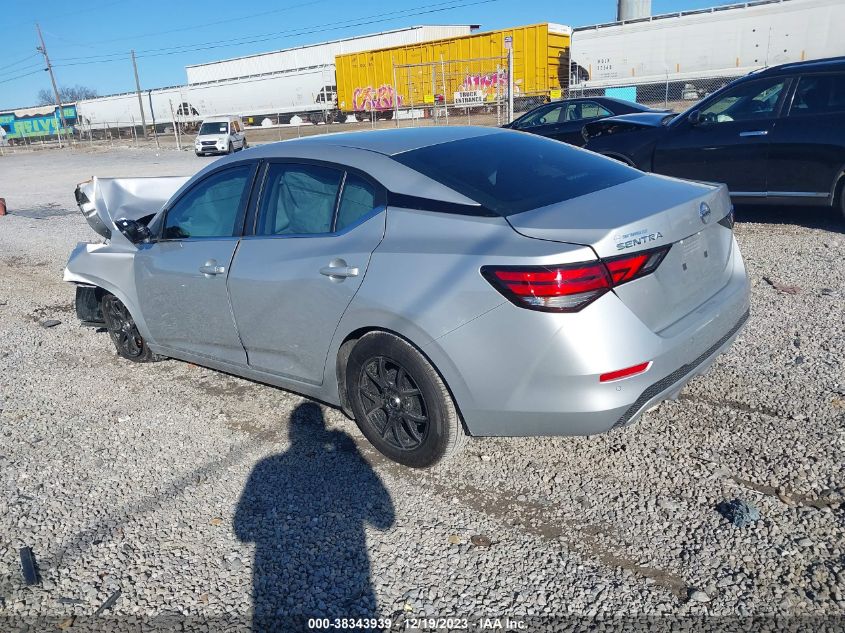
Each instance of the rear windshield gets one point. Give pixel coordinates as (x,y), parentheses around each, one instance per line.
(512,172)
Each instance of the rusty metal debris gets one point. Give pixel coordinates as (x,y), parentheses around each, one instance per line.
(789,290)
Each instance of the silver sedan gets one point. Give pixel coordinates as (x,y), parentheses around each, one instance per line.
(434,283)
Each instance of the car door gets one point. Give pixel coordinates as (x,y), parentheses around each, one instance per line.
(291,282)
(543,121)
(729,142)
(575,116)
(181,275)
(808,144)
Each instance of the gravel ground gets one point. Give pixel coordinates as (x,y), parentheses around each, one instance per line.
(207,498)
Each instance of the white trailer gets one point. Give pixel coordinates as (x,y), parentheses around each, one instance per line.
(724,41)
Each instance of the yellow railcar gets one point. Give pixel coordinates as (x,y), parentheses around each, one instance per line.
(450,70)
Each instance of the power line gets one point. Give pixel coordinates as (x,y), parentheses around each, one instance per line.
(253,39)
(15,63)
(248,39)
(34,72)
(215,23)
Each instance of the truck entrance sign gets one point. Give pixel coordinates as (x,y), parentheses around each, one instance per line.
(469,98)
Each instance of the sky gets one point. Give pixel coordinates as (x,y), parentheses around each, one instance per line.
(89,40)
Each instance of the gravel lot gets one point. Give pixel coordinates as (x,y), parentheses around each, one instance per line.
(204,497)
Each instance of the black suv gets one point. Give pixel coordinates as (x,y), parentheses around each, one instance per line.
(774,136)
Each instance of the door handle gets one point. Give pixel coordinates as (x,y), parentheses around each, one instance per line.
(755,133)
(211,268)
(339,272)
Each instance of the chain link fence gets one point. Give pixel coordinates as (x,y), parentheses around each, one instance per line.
(454,92)
(672,93)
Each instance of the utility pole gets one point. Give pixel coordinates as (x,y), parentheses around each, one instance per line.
(138,90)
(43,50)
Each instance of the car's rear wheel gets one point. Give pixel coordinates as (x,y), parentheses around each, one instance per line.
(401,404)
(124,333)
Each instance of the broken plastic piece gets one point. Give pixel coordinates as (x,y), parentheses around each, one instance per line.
(30,575)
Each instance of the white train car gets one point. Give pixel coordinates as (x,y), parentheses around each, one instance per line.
(724,41)
(277,85)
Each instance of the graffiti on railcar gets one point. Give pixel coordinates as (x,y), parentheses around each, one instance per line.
(35,122)
(371,99)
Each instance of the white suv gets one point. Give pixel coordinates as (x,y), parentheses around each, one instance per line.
(220,135)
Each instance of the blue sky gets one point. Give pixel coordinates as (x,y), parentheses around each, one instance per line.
(83,31)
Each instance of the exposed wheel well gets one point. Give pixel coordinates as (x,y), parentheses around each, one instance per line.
(88,303)
(345,350)
(839,190)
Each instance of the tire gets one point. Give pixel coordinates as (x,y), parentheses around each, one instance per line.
(124,333)
(401,404)
(199,153)
(841,200)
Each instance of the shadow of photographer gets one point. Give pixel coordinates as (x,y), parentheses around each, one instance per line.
(306,510)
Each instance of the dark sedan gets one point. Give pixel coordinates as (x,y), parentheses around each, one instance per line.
(563,120)
(774,136)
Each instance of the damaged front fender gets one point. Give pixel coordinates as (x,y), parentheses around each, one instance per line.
(104,200)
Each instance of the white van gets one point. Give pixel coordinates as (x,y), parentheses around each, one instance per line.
(220,135)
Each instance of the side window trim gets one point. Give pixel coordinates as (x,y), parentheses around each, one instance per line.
(242,211)
(779,111)
(381,198)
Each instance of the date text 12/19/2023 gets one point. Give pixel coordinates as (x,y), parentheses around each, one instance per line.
(420,623)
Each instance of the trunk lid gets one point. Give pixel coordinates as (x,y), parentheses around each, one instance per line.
(643,214)
(104,200)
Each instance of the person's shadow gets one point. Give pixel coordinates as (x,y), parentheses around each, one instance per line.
(305,510)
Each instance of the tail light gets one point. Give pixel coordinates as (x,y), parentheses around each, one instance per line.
(570,287)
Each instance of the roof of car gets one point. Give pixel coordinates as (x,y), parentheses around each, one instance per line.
(218,119)
(815,65)
(392,142)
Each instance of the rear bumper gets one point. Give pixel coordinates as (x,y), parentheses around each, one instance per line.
(516,372)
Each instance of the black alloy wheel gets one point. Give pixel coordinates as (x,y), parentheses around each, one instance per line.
(400,401)
(394,405)
(124,333)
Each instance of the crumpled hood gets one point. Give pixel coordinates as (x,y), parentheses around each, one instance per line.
(104,200)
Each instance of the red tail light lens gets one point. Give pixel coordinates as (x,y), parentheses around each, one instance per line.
(570,287)
(553,288)
(619,374)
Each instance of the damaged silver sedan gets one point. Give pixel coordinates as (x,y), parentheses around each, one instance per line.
(434,283)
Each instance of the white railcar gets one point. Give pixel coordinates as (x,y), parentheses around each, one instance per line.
(725,41)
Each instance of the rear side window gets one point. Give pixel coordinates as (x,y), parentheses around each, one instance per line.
(819,94)
(298,199)
(510,172)
(211,208)
(357,200)
(585,110)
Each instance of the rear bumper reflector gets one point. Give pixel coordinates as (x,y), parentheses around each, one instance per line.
(619,374)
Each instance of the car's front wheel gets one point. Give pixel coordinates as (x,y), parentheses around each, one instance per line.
(124,333)
(401,404)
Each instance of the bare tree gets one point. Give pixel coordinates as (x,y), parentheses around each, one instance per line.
(68,94)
